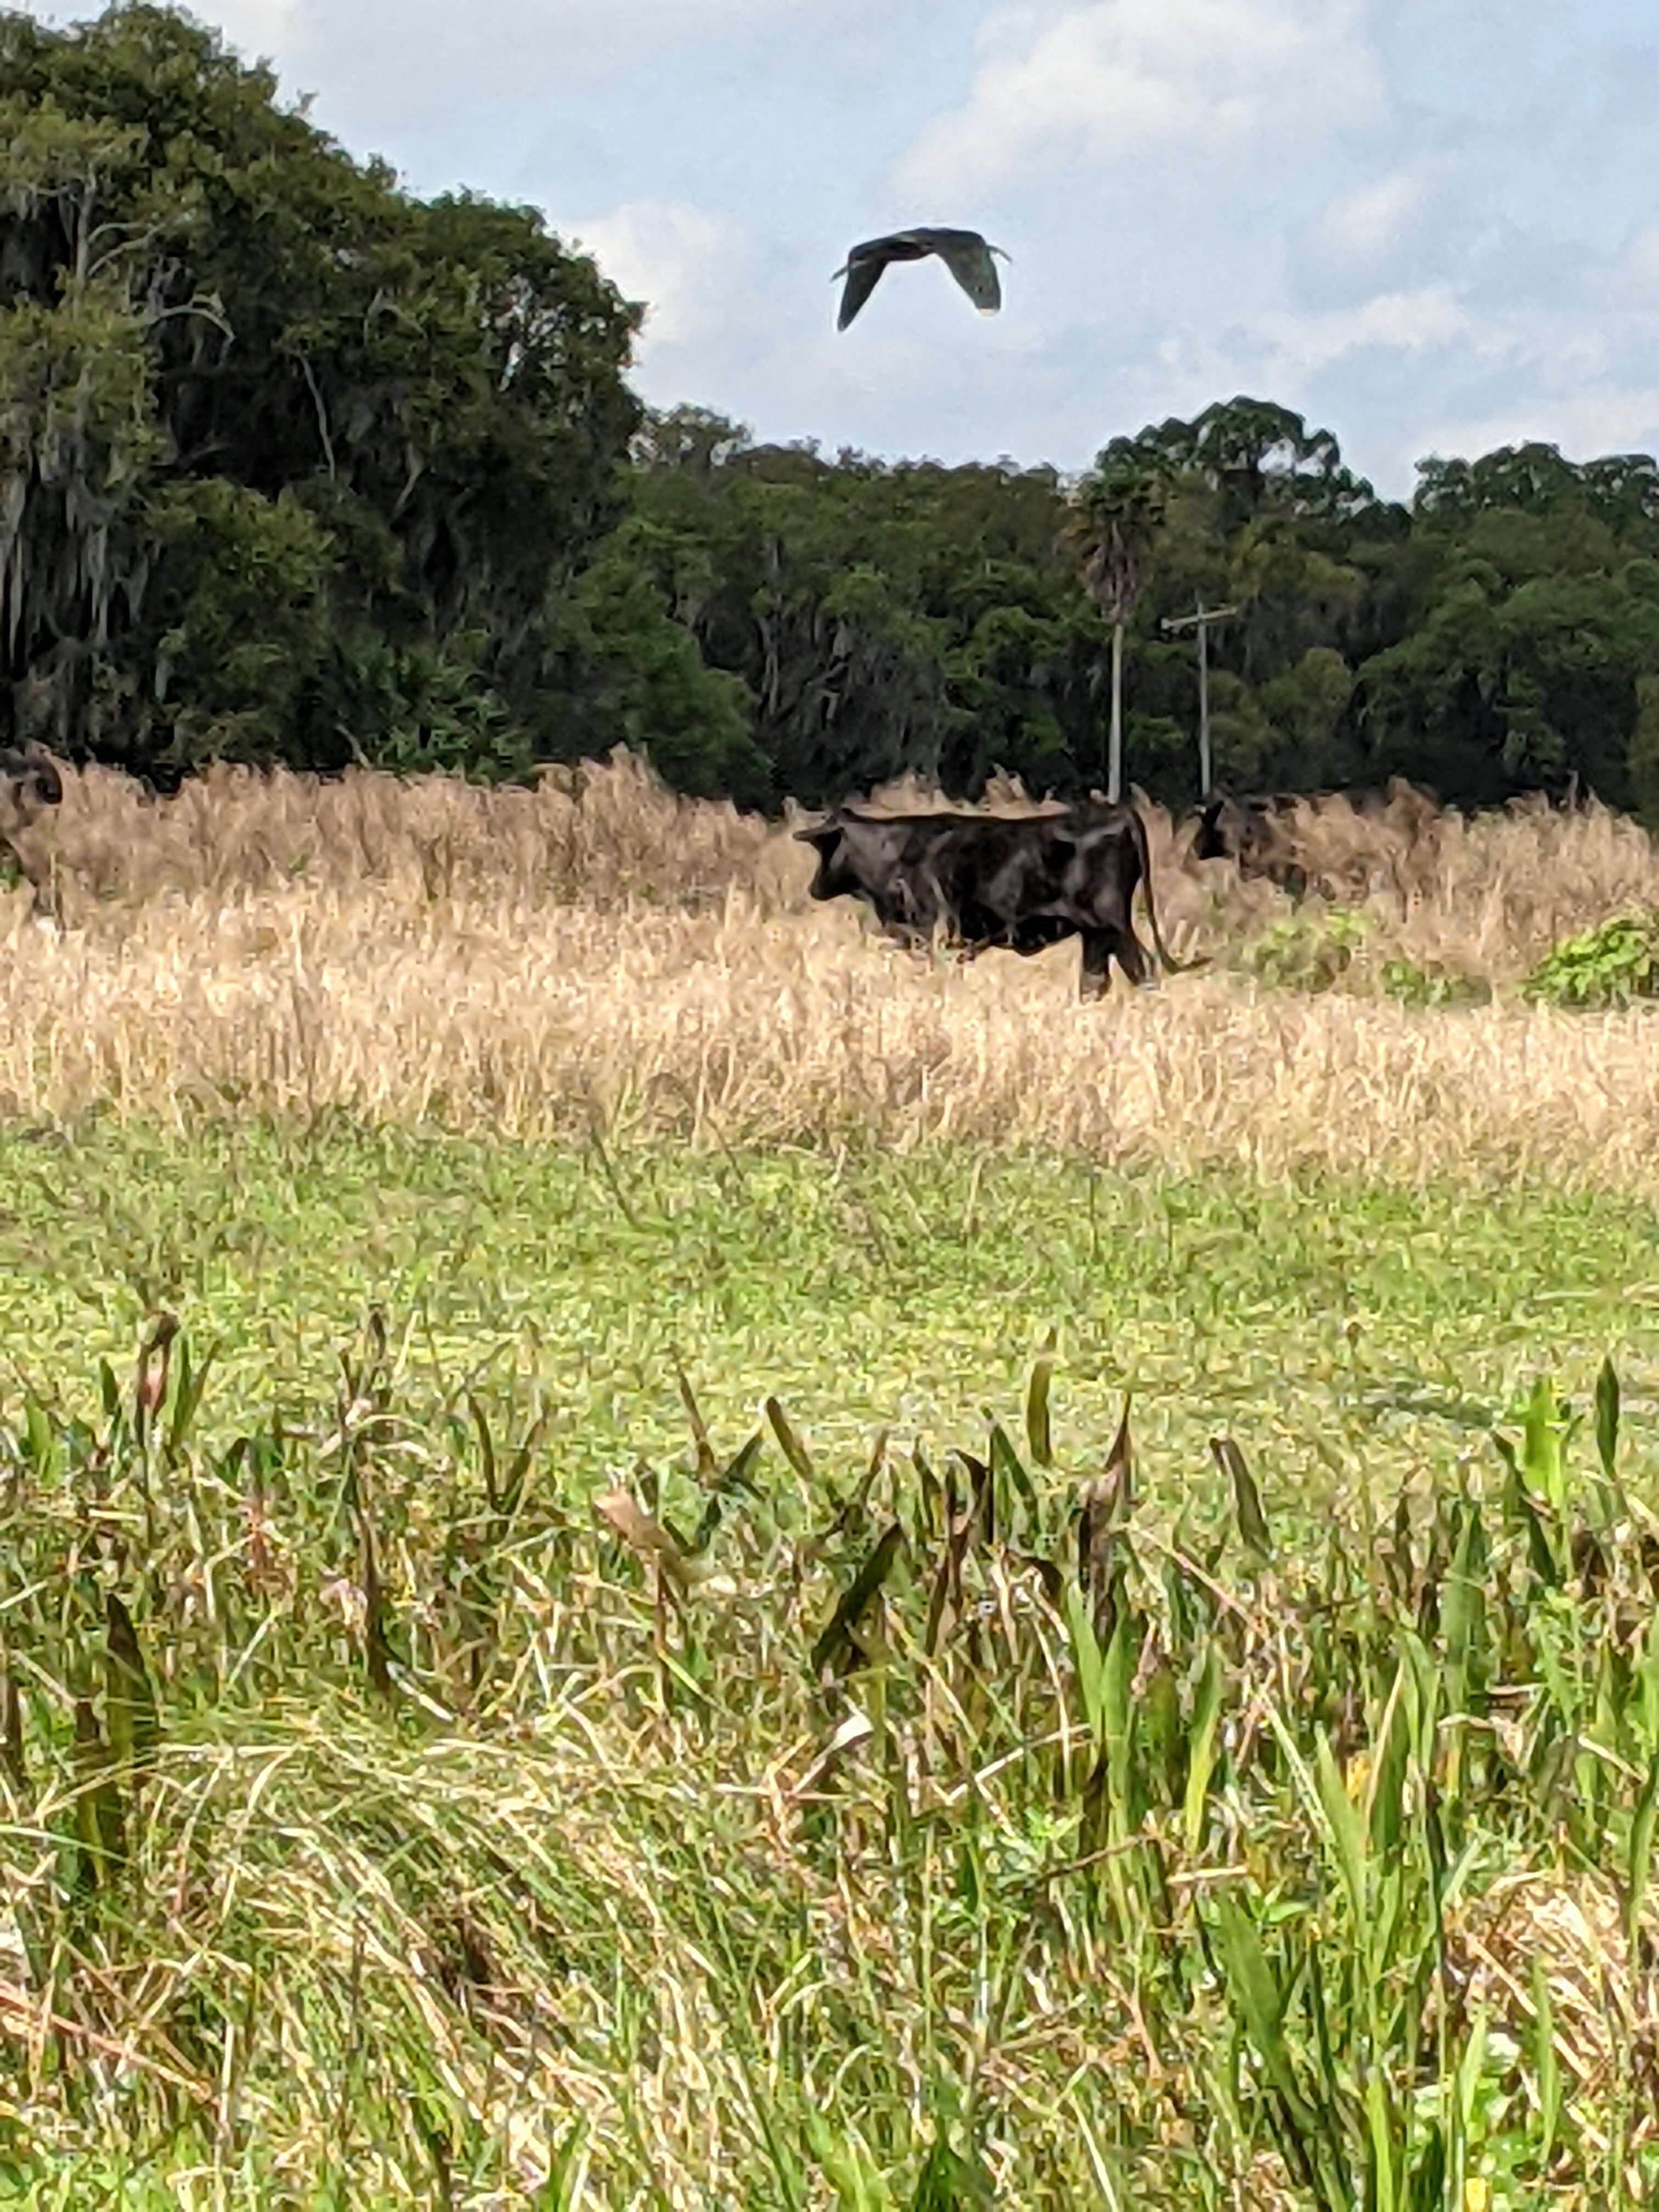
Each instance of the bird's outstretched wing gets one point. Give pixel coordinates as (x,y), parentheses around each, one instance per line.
(969,260)
(863,274)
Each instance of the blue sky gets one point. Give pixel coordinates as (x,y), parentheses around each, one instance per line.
(1430,225)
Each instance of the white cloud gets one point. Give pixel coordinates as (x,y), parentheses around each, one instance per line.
(1423,222)
(1632,279)
(1396,322)
(1364,224)
(1107,80)
(679,259)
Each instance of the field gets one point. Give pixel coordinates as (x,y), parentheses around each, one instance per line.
(585,1621)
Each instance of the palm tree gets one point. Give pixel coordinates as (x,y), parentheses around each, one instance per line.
(1117,511)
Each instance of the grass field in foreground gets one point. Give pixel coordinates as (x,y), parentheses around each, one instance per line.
(384,1827)
(870,1290)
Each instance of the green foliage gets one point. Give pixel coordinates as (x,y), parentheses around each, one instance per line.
(237,598)
(295,466)
(262,400)
(362,1756)
(1305,953)
(417,708)
(632,675)
(1645,751)
(1433,985)
(1607,966)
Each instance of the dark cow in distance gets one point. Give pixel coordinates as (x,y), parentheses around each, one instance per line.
(1341,844)
(1016,882)
(1255,833)
(29,783)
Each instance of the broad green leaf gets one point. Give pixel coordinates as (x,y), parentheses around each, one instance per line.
(1089,1662)
(789,1444)
(99,1811)
(39,1439)
(1607,1432)
(1158,1729)
(1543,1458)
(129,1700)
(1006,1462)
(1546,2064)
(1387,2152)
(1521,1510)
(1463,1609)
(1257,2002)
(1202,1749)
(1427,2192)
(708,1465)
(1346,1834)
(486,1451)
(1640,1862)
(834,1648)
(187,1396)
(1037,1435)
(1123,1656)
(1648,1700)
(950,2183)
(1470,2067)
(1607,1420)
(1389,1754)
(1247,1499)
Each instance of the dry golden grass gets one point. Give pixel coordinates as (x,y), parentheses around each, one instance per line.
(599,835)
(527,961)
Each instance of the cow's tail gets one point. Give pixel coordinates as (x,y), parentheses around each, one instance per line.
(1143,854)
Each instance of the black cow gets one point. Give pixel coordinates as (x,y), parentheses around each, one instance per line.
(1256,833)
(1269,836)
(993,881)
(29,782)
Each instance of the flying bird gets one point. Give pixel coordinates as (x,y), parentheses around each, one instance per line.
(963,252)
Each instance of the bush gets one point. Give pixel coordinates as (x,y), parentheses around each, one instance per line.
(1303,954)
(1433,985)
(1607,966)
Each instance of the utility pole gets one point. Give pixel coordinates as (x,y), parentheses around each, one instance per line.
(1114,742)
(1201,620)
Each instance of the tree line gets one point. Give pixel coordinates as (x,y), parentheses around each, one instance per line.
(297,467)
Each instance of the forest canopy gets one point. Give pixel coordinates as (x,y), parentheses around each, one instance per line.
(297,467)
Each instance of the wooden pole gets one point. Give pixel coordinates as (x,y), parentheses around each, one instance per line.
(1115,743)
(1201,620)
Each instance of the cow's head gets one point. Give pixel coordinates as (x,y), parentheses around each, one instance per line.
(28,780)
(1224,830)
(835,874)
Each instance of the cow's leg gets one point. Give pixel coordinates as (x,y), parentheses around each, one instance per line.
(1131,958)
(41,877)
(1097,963)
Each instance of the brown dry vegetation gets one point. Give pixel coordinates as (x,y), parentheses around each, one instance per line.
(526,960)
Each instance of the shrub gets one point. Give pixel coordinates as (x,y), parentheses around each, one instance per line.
(1301,954)
(1433,985)
(1607,966)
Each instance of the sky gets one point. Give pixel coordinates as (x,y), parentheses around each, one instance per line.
(1430,226)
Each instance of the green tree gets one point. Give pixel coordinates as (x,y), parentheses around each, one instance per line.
(1643,756)
(1119,510)
(205,291)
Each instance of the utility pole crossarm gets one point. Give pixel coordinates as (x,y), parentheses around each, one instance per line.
(1199,619)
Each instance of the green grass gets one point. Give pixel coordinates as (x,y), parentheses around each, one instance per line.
(875,1289)
(422,1842)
